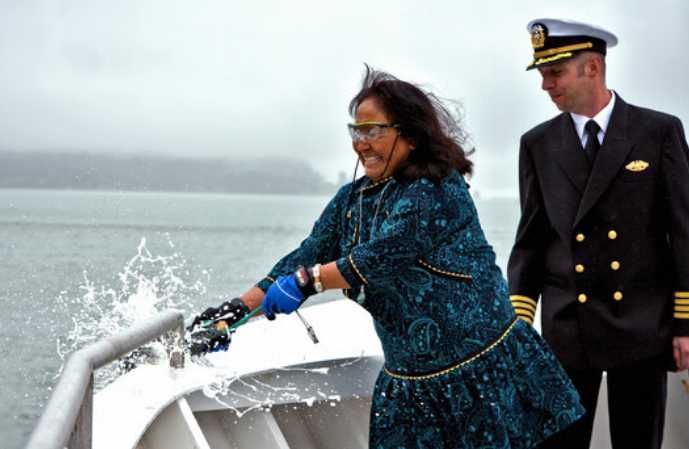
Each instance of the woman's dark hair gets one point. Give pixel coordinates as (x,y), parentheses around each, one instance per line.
(423,120)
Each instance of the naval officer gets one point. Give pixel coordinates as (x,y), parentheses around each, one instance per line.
(603,239)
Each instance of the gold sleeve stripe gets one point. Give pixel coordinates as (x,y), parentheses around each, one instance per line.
(523,298)
(361,276)
(524,305)
(270,278)
(526,318)
(682,316)
(522,312)
(681,301)
(681,308)
(681,294)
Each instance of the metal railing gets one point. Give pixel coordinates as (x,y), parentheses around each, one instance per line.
(67,419)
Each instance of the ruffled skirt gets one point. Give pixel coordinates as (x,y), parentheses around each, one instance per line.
(513,396)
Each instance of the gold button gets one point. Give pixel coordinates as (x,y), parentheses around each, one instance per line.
(612,235)
(582,298)
(617,296)
(579,268)
(615,265)
(580,237)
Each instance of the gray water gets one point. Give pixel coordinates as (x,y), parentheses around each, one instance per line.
(69,258)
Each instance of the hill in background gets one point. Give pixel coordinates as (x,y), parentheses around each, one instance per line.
(153,173)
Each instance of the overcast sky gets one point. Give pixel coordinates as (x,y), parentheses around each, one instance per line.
(262,78)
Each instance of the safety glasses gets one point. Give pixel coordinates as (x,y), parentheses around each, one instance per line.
(368,131)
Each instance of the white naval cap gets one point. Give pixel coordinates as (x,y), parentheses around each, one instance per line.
(556,40)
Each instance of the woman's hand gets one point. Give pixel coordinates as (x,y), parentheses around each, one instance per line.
(284,296)
(210,331)
(229,311)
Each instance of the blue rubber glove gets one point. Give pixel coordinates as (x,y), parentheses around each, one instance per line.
(284,296)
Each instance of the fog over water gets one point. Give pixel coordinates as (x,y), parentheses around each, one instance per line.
(253,81)
(240,79)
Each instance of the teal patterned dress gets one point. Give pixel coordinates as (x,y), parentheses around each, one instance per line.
(461,371)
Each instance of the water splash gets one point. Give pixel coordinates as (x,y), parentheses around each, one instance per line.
(261,390)
(255,393)
(148,284)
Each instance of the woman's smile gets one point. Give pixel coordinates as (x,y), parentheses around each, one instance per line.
(371,160)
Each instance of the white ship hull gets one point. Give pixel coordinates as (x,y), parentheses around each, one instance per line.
(319,397)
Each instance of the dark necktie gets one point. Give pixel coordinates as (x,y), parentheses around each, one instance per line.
(592,144)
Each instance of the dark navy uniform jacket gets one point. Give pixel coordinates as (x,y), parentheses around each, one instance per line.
(605,247)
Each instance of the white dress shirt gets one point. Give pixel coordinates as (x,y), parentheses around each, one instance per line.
(602,119)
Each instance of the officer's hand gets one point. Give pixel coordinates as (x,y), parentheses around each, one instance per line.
(680,349)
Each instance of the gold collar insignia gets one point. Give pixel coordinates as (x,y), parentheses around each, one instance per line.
(637,166)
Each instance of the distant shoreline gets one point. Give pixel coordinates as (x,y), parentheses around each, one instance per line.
(87,171)
(182,192)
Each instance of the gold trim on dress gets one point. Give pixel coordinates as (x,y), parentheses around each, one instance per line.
(452,274)
(355,235)
(467,361)
(356,269)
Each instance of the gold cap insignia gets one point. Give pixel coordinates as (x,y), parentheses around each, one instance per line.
(637,166)
(537,36)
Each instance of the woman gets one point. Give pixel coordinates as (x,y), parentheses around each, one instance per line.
(461,371)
